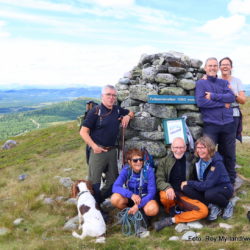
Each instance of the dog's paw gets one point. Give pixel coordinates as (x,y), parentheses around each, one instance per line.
(100,240)
(75,234)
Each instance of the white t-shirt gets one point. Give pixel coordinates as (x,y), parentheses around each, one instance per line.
(237,86)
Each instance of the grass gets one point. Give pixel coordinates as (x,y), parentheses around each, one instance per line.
(46,153)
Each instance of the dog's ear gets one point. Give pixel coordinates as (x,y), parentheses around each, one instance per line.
(74,189)
(90,187)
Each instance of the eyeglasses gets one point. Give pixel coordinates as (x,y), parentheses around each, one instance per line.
(212,66)
(200,148)
(109,95)
(225,65)
(178,147)
(137,159)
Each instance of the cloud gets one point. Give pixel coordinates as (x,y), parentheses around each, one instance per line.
(41,5)
(240,57)
(122,9)
(239,7)
(3,33)
(224,27)
(62,64)
(114,3)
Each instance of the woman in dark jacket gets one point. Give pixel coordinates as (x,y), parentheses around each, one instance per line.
(212,185)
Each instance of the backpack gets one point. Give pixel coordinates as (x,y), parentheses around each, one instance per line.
(143,176)
(148,158)
(89,105)
(148,162)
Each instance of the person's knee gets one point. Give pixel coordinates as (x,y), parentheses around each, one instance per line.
(118,200)
(115,199)
(209,196)
(203,210)
(151,208)
(163,197)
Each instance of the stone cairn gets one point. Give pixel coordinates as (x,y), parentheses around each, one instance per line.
(170,73)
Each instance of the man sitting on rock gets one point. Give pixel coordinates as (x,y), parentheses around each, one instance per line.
(175,168)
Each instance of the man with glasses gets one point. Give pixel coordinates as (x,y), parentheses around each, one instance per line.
(214,98)
(100,131)
(171,172)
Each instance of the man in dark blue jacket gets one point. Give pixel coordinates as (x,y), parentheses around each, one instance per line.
(214,98)
(100,130)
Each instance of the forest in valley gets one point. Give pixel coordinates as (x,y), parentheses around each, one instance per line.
(22,122)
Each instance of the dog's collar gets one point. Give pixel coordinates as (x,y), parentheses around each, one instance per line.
(82,193)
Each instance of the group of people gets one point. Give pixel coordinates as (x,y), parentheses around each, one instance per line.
(191,186)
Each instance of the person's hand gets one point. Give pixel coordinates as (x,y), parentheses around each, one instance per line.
(97,149)
(208,95)
(227,105)
(204,77)
(136,199)
(170,193)
(133,209)
(184,183)
(125,121)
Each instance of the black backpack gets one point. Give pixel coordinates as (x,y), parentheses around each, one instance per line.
(89,106)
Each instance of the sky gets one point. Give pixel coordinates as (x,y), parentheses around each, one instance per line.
(76,43)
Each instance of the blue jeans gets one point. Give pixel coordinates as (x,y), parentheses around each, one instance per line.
(224,136)
(218,195)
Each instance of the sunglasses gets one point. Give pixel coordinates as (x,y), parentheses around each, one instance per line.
(137,159)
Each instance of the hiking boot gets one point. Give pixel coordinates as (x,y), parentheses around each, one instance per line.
(228,211)
(159,225)
(215,211)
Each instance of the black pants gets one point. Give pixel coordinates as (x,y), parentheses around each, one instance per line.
(224,136)
(218,195)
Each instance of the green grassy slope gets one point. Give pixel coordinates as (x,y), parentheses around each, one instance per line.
(23,122)
(46,153)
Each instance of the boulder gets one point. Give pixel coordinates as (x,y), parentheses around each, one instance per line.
(172,91)
(161,110)
(155,148)
(141,92)
(165,78)
(186,84)
(9,144)
(145,123)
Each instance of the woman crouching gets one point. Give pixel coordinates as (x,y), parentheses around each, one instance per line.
(135,187)
(213,186)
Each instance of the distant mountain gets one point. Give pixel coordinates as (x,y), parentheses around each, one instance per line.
(13,124)
(30,99)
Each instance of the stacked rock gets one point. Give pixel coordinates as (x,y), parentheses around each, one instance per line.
(170,73)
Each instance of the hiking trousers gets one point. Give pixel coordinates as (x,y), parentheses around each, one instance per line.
(224,136)
(193,209)
(105,162)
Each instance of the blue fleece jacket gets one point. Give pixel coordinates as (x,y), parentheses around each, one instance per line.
(214,175)
(214,110)
(133,182)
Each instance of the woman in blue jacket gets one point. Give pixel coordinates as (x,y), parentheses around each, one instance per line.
(212,185)
(135,187)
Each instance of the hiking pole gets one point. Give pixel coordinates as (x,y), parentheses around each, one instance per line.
(123,144)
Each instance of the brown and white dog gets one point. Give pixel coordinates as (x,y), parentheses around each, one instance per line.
(90,219)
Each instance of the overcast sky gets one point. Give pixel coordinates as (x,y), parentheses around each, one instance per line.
(74,43)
